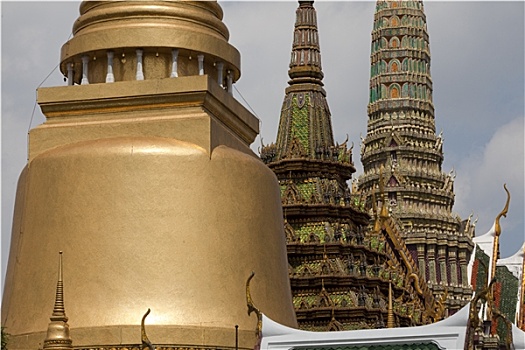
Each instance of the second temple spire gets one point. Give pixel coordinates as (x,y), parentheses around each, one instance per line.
(305,129)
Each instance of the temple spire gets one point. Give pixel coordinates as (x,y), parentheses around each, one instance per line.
(325,223)
(305,129)
(58,330)
(401,139)
(59,312)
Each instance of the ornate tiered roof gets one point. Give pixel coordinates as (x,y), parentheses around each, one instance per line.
(401,137)
(340,274)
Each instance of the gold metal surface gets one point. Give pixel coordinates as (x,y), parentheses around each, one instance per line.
(193,109)
(151,188)
(151,209)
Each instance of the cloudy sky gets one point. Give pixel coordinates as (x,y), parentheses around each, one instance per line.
(477,68)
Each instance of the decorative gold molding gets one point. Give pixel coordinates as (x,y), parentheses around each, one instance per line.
(252,307)
(415,277)
(440,307)
(143,335)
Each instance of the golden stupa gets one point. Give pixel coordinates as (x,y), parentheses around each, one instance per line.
(143,176)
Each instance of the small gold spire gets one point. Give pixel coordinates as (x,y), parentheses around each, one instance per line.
(58,330)
(390,319)
(59,313)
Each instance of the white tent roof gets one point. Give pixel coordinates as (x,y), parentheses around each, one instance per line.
(446,334)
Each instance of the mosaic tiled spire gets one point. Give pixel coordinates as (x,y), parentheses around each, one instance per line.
(339,272)
(401,136)
(305,128)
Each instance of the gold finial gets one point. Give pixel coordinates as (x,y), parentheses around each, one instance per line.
(58,310)
(58,330)
(503,212)
(390,319)
(143,335)
(252,307)
(495,247)
(467,225)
